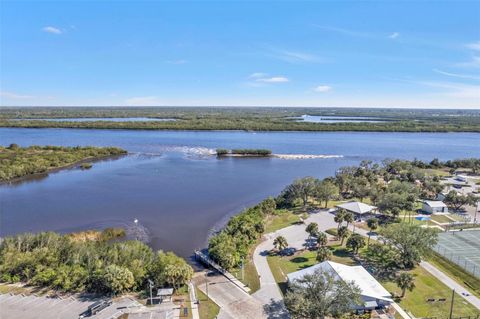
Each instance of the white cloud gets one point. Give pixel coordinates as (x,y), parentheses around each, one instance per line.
(457,75)
(474,46)
(143,101)
(456,90)
(15,96)
(322,88)
(473,63)
(394,35)
(258,75)
(51,29)
(273,79)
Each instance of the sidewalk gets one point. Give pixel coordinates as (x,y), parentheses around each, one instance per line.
(452,284)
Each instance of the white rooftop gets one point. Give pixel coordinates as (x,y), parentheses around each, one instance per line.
(368,285)
(357,207)
(165,292)
(434,203)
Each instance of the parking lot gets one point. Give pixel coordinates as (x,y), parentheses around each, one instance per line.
(26,307)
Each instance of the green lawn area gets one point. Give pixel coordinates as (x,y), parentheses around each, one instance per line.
(251,276)
(441,219)
(438,172)
(427,286)
(457,273)
(282,219)
(207,308)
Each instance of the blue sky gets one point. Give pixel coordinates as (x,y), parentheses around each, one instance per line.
(316,53)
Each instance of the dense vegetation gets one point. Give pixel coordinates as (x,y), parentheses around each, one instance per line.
(63,263)
(18,161)
(257,119)
(244,152)
(394,186)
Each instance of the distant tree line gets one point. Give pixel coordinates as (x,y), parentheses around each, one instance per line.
(59,262)
(16,161)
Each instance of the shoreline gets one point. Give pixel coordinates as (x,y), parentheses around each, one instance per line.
(61,168)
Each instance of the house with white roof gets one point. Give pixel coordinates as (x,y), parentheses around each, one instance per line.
(434,207)
(358,208)
(374,296)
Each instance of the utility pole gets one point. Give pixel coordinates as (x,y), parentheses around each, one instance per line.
(206,289)
(243,270)
(451,305)
(150,283)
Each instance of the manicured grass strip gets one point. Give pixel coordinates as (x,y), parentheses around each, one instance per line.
(250,272)
(426,287)
(281,220)
(457,273)
(441,219)
(206,308)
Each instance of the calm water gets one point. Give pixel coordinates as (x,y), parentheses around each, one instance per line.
(105,119)
(338,119)
(179,191)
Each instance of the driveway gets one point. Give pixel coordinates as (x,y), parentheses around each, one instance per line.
(233,302)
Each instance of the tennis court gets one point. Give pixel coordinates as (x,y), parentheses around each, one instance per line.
(462,248)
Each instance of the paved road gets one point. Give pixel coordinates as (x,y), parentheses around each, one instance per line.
(233,302)
(449,282)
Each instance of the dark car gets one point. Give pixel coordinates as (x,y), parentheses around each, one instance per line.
(98,306)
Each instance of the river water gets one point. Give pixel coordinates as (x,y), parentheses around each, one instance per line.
(177,190)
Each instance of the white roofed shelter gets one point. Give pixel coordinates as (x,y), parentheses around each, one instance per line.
(357,208)
(434,207)
(373,295)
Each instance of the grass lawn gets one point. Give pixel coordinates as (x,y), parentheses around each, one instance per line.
(441,219)
(281,266)
(207,308)
(427,286)
(457,273)
(438,172)
(282,219)
(250,272)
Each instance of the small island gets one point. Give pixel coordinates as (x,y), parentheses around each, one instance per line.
(19,162)
(244,152)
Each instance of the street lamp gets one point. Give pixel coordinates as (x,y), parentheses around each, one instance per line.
(151,286)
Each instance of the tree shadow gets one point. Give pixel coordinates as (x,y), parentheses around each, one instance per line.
(276,310)
(299,260)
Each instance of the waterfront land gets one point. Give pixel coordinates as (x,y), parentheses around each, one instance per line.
(250,119)
(17,162)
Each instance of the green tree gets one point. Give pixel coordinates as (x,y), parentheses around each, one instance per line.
(457,201)
(323,254)
(326,190)
(268,206)
(342,234)
(412,242)
(312,230)
(118,279)
(223,250)
(340,217)
(178,274)
(349,218)
(322,239)
(355,242)
(382,258)
(372,224)
(320,295)
(302,189)
(280,243)
(405,281)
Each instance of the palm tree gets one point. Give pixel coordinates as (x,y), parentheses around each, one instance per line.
(340,217)
(342,234)
(312,230)
(322,239)
(405,281)
(372,224)
(280,243)
(349,218)
(323,254)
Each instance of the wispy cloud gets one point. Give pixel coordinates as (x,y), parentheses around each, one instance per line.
(457,75)
(53,30)
(258,75)
(323,88)
(473,63)
(15,96)
(295,56)
(273,79)
(456,90)
(143,101)
(474,46)
(394,35)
